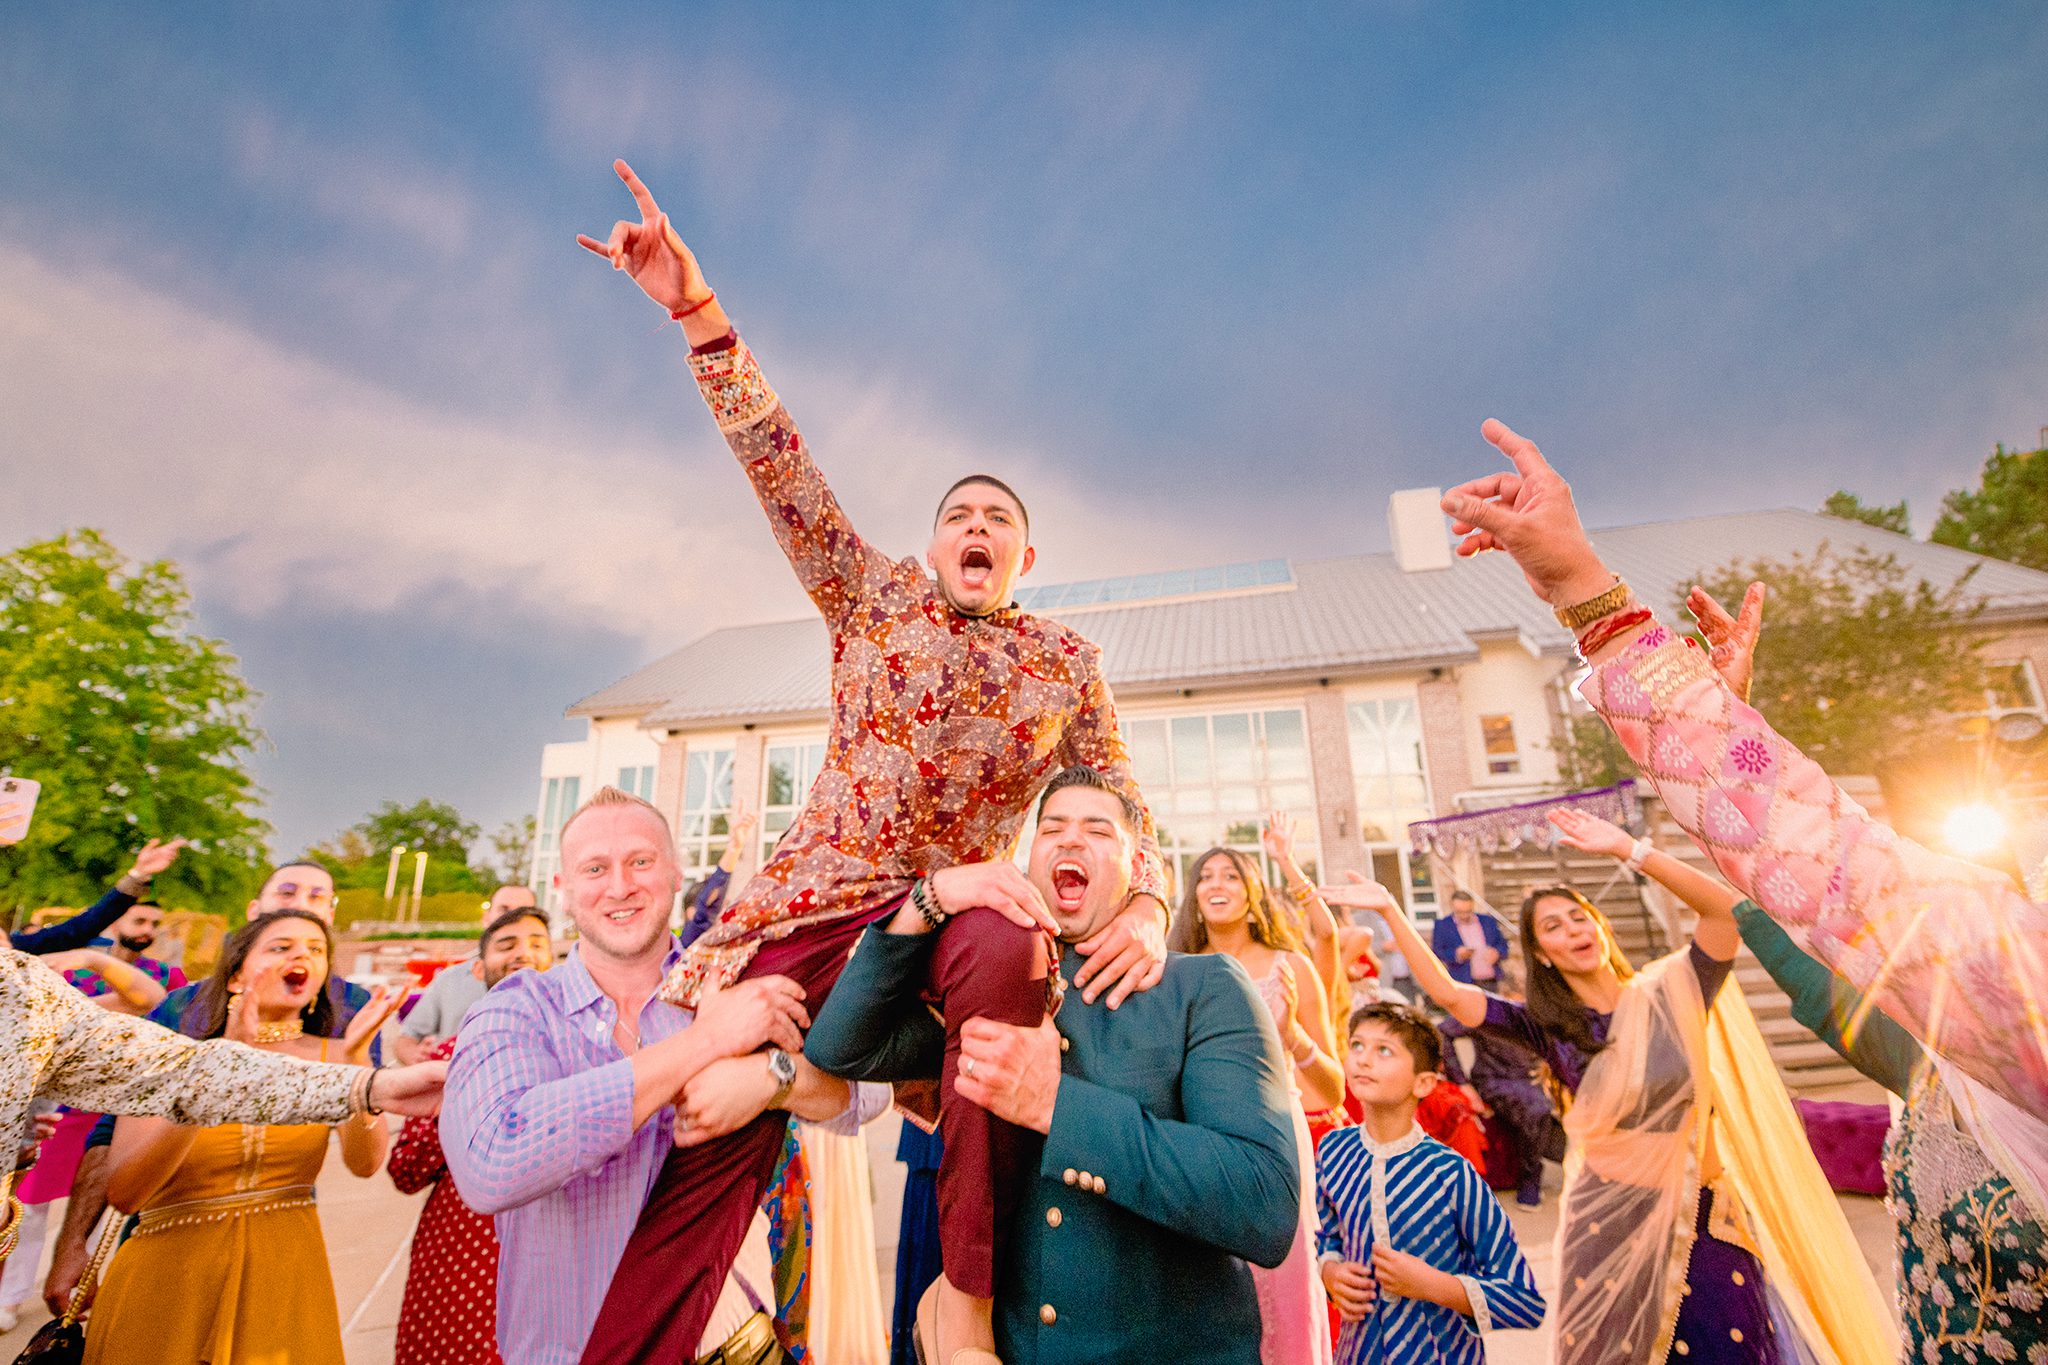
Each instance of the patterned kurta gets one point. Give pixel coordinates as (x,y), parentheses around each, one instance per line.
(1417,1195)
(944,726)
(63,1047)
(450,1312)
(1954,952)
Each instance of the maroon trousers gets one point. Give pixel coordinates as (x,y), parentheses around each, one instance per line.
(982,966)
(689,1234)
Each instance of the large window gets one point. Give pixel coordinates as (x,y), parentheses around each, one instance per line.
(789,772)
(637,782)
(1211,779)
(559,799)
(1386,763)
(707,804)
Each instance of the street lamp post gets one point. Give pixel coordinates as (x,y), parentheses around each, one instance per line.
(419,882)
(391,879)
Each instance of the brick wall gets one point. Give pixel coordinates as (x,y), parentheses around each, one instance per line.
(1329,758)
(1445,755)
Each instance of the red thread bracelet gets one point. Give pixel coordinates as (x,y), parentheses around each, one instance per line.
(1609,627)
(680,313)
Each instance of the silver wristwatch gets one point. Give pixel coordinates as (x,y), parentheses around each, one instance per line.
(782,1067)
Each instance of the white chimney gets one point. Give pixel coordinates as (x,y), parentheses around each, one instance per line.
(1415,521)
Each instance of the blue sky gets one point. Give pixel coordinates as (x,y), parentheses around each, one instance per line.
(292,296)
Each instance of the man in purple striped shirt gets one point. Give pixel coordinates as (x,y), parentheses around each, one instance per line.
(561,1096)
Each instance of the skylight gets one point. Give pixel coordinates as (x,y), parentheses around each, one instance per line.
(1154,587)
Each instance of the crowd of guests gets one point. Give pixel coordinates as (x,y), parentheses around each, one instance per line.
(1225,1134)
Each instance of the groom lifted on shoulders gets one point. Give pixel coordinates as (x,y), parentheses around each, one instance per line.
(950,709)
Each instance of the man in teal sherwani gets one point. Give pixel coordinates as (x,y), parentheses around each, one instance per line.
(1155,1149)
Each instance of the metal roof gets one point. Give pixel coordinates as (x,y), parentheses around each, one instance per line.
(1351,614)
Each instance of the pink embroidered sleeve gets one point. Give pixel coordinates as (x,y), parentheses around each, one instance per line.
(1093,738)
(834,564)
(1954,952)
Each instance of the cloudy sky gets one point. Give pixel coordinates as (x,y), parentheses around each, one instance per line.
(291,294)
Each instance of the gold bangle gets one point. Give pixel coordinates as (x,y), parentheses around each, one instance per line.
(1582,614)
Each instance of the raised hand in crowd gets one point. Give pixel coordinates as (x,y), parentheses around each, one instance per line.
(1731,640)
(1530,514)
(1588,833)
(664,268)
(155,857)
(362,1030)
(245,1011)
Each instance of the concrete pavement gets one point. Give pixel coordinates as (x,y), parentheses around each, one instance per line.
(369,1227)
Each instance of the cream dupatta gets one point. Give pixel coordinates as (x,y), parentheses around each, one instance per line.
(1637,1151)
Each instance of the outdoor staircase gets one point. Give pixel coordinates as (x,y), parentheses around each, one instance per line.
(1804,1060)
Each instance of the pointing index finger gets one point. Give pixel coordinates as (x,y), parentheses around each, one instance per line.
(1519,449)
(649,210)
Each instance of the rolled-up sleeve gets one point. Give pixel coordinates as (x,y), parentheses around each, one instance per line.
(518,1121)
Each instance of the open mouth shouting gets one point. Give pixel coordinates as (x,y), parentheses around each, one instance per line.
(977,566)
(1069,884)
(295,979)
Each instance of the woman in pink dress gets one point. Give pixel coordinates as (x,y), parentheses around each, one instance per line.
(1227,909)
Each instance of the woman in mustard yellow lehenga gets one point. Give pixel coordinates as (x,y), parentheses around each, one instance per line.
(227,1264)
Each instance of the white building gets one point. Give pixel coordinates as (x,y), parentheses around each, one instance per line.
(1361,693)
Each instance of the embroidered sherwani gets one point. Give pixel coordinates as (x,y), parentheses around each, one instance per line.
(61,1046)
(1953,951)
(944,726)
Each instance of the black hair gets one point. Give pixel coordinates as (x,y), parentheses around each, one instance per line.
(1080,775)
(1189,932)
(1410,1027)
(510,917)
(1552,1003)
(213,995)
(993,482)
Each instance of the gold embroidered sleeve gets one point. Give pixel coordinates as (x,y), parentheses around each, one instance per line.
(116,1064)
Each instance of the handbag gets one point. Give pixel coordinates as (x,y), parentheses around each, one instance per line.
(61,1340)
(755,1343)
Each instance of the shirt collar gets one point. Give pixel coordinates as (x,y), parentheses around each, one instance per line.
(580,990)
(1407,1142)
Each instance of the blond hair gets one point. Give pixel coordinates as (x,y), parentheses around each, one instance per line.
(611,797)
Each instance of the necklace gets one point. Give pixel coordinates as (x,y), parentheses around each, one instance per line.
(281,1032)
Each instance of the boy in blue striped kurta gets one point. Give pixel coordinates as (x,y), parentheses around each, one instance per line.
(1416,1252)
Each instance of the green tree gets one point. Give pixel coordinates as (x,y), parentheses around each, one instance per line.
(2007,517)
(1860,665)
(360,855)
(512,848)
(1846,505)
(136,726)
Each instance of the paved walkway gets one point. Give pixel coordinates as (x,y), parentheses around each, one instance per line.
(368,1226)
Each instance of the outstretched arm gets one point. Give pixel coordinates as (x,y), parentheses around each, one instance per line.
(1713,901)
(1318,925)
(831,561)
(1953,951)
(1467,1003)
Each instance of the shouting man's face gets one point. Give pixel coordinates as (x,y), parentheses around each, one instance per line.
(980,548)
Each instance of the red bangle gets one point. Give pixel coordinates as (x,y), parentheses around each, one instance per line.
(1608,628)
(680,313)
